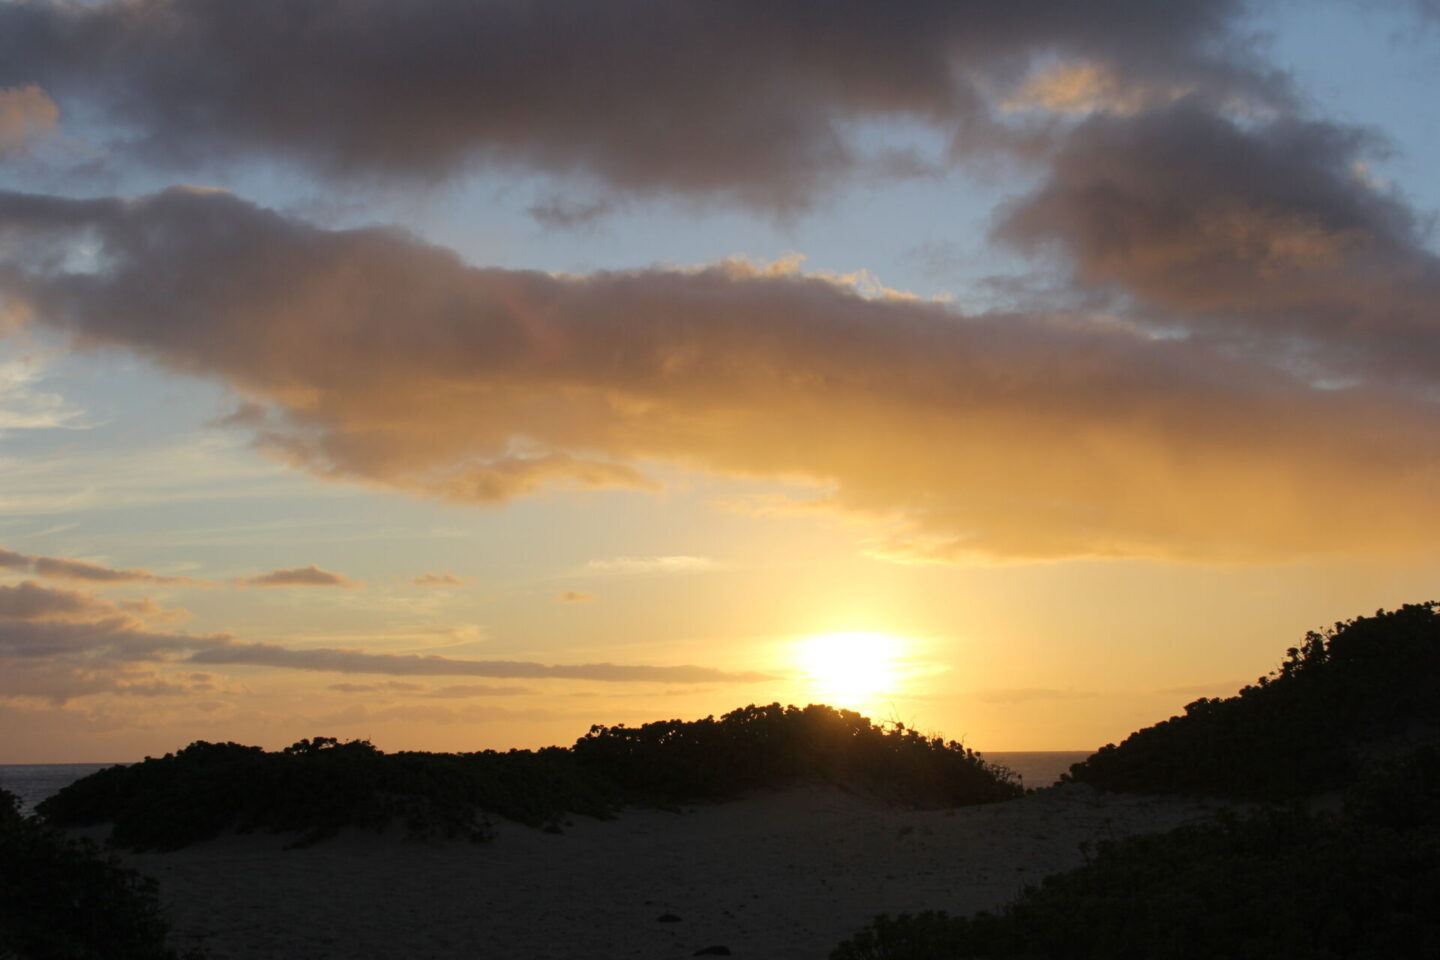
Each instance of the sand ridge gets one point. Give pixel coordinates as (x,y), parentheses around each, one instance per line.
(782,875)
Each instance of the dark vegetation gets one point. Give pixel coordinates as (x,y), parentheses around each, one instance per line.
(1283,880)
(1304,729)
(318,787)
(60,899)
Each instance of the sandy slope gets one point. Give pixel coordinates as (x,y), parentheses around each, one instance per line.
(776,876)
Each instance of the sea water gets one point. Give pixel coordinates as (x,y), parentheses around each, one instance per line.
(33,782)
(1037,768)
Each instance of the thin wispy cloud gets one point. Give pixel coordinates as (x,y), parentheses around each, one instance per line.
(62,568)
(438,580)
(25,406)
(676,563)
(417,665)
(308,576)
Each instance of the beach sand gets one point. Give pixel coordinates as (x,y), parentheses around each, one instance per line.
(778,875)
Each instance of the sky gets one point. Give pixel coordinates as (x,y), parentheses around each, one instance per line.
(459,375)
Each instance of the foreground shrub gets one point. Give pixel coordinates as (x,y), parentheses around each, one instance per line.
(1302,730)
(61,900)
(1274,883)
(318,787)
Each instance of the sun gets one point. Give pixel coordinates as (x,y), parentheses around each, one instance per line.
(847,669)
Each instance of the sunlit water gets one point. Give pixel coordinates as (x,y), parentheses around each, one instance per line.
(1038,768)
(33,782)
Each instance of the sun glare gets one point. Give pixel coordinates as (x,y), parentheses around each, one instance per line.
(848,669)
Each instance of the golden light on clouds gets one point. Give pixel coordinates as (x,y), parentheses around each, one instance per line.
(850,669)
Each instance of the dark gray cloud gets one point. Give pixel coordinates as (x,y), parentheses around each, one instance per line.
(59,681)
(111,638)
(31,601)
(311,576)
(1258,231)
(565,213)
(10,560)
(417,665)
(1007,435)
(747,97)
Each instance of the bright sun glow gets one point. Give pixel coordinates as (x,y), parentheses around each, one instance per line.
(846,669)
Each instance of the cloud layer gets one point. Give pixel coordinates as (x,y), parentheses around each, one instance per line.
(59,645)
(750,98)
(1271,233)
(1021,436)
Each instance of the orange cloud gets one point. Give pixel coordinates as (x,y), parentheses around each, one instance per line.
(438,580)
(27,114)
(1087,87)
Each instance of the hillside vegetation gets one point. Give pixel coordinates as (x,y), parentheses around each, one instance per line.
(1306,728)
(320,786)
(1350,708)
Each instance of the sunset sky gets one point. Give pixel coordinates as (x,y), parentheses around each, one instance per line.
(459,374)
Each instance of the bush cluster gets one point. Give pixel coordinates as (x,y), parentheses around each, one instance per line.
(1278,882)
(318,787)
(1299,731)
(60,899)
(766,746)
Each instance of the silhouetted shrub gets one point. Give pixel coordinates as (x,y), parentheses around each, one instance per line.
(61,900)
(1299,731)
(1274,883)
(774,745)
(317,787)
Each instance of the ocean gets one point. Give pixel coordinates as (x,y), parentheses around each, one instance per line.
(33,782)
(1037,768)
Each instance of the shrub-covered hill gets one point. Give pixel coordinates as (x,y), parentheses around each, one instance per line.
(60,899)
(317,787)
(1304,729)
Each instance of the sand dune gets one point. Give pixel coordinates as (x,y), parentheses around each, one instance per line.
(776,876)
